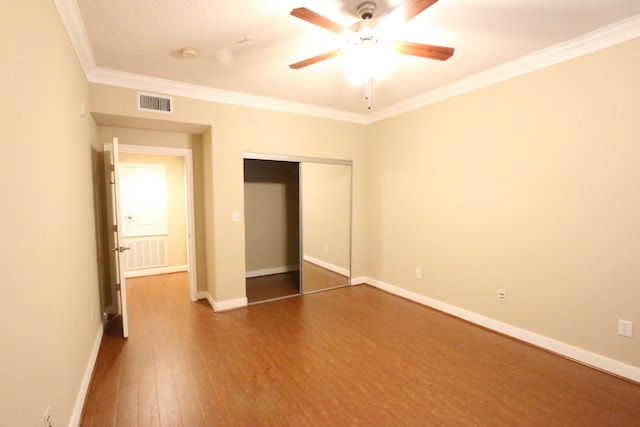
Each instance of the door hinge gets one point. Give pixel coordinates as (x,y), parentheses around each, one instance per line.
(115,228)
(118,287)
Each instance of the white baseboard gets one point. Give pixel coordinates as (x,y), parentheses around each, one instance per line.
(588,358)
(326,265)
(86,380)
(359,280)
(206,295)
(268,271)
(230,304)
(223,305)
(202,295)
(155,271)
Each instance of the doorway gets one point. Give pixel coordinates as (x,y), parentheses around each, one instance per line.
(114,307)
(153,206)
(177,245)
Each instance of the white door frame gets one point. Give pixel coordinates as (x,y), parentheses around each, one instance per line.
(191,238)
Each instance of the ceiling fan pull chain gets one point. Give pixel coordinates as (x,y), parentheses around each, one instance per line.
(367,92)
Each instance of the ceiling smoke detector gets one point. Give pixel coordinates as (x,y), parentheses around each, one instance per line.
(189,52)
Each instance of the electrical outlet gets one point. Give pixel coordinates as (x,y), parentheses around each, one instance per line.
(326,247)
(502,295)
(47,418)
(418,273)
(625,328)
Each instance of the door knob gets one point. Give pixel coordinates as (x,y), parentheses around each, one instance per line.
(121,249)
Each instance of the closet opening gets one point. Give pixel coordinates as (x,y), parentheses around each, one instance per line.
(272,229)
(297,225)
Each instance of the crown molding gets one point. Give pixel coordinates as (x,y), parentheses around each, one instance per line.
(175,88)
(604,37)
(619,32)
(72,21)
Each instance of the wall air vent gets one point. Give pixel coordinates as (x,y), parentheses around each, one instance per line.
(156,103)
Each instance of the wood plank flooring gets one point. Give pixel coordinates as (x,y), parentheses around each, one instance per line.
(264,288)
(350,356)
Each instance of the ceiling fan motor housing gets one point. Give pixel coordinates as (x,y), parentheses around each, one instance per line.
(366,10)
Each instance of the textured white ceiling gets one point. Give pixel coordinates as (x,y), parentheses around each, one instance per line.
(145,37)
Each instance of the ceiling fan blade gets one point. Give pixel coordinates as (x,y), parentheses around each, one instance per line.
(315,59)
(409,9)
(319,20)
(440,53)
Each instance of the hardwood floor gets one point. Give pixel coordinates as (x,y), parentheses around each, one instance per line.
(350,356)
(264,288)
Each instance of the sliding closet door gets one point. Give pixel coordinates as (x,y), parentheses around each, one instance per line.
(326,225)
(312,232)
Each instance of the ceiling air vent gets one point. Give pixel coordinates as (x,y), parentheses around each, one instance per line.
(157,103)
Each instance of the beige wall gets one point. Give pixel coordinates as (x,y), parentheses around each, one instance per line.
(169,139)
(326,212)
(49,286)
(234,130)
(176,202)
(272,212)
(531,185)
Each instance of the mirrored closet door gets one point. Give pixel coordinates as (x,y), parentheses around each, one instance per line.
(326,225)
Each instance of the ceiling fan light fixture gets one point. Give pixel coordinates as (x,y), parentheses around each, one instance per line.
(368,61)
(363,30)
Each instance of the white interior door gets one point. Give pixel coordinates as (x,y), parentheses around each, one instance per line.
(116,245)
(143,199)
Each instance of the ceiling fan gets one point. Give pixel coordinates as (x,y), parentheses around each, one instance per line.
(366,31)
(367,34)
